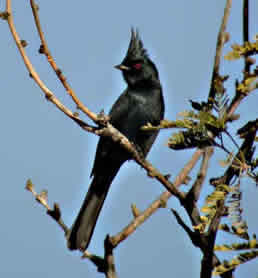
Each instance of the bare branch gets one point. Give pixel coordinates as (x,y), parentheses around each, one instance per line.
(246,34)
(192,197)
(220,43)
(42,198)
(195,238)
(109,259)
(44,49)
(104,265)
(194,193)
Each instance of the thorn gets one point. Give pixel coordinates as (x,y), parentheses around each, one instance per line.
(135,211)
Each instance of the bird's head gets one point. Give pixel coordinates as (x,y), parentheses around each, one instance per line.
(137,68)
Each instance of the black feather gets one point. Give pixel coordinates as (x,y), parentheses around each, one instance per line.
(141,103)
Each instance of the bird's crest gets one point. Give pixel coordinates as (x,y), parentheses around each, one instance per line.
(136,49)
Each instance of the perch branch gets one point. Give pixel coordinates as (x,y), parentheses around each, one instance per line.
(106,130)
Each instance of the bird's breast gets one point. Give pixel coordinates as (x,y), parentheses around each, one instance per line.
(147,102)
(138,99)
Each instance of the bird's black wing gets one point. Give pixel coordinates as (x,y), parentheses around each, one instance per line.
(107,150)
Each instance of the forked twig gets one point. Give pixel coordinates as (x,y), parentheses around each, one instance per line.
(44,49)
(104,265)
(42,198)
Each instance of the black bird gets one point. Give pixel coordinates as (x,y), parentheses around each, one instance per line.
(141,103)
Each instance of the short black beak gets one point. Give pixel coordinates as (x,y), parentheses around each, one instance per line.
(122,67)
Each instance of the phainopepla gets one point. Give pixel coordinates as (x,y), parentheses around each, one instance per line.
(141,103)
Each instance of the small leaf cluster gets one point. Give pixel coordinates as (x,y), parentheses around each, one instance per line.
(238,51)
(239,259)
(210,207)
(250,244)
(201,127)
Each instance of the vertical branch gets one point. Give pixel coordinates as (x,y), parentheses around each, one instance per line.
(240,96)
(209,260)
(110,270)
(246,32)
(219,47)
(194,193)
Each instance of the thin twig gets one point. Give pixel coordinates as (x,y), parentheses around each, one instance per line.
(219,48)
(49,95)
(234,169)
(239,96)
(104,265)
(46,51)
(194,193)
(195,238)
(42,198)
(246,33)
(232,139)
(235,102)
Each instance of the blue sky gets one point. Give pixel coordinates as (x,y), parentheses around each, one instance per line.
(39,142)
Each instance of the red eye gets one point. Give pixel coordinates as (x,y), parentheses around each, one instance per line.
(137,66)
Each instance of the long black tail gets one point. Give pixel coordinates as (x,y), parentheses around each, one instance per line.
(83,227)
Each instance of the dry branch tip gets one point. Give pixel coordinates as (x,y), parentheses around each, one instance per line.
(4,15)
